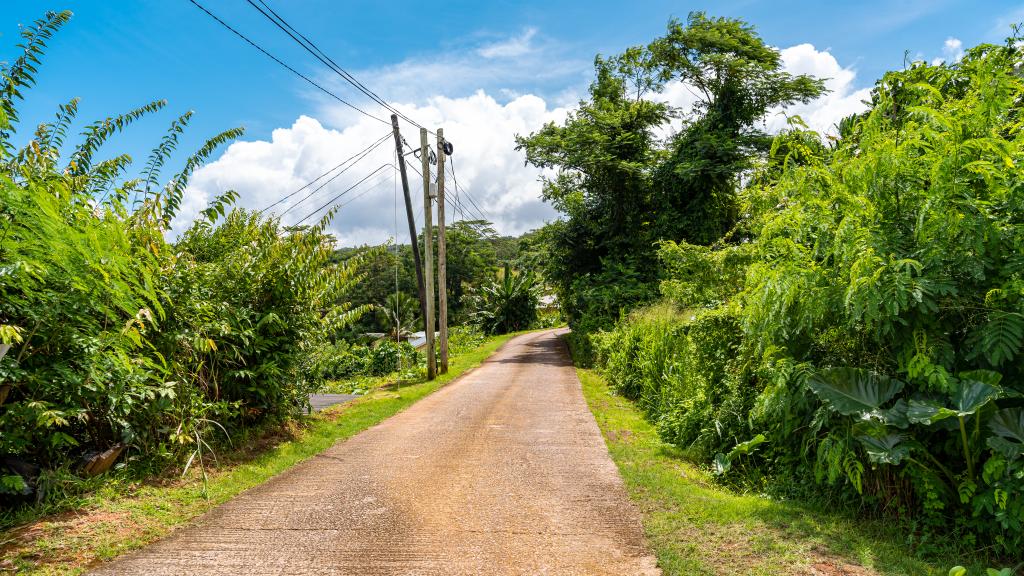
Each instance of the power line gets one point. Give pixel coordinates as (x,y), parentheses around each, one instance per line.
(363,154)
(319,54)
(289,68)
(461,207)
(346,191)
(314,181)
(451,162)
(417,171)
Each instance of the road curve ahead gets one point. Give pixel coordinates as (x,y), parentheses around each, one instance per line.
(503,471)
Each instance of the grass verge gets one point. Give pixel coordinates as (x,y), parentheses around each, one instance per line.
(697,527)
(123,516)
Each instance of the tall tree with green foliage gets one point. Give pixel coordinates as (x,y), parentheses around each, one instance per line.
(622,190)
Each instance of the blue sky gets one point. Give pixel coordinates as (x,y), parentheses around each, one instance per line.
(457,63)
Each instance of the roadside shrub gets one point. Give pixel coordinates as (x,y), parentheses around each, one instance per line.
(250,305)
(465,338)
(388,356)
(111,336)
(864,325)
(341,360)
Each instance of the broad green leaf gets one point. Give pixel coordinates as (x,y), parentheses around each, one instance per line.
(722,464)
(957,571)
(990,377)
(852,391)
(1007,448)
(1009,423)
(968,398)
(888,449)
(928,411)
(744,448)
(897,415)
(971,395)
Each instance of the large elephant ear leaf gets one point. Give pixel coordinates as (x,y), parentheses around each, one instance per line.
(928,411)
(1007,448)
(744,448)
(1008,424)
(852,391)
(971,395)
(897,415)
(990,377)
(888,449)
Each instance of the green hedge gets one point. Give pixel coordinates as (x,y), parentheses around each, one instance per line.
(859,337)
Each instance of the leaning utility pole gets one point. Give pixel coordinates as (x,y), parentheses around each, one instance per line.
(428,254)
(442,259)
(412,221)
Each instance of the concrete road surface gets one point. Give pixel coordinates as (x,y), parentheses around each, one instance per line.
(504,471)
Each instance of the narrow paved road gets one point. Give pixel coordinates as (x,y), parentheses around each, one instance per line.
(501,472)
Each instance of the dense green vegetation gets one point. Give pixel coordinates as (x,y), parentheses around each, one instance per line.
(117,338)
(507,305)
(124,513)
(488,276)
(697,526)
(838,318)
(622,189)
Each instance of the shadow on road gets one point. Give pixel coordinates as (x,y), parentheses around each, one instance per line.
(547,352)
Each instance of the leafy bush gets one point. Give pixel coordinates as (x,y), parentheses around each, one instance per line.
(250,304)
(464,338)
(867,317)
(113,336)
(340,361)
(388,356)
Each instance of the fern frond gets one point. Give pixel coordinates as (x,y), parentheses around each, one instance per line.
(174,189)
(102,176)
(22,72)
(98,132)
(58,129)
(159,155)
(1000,339)
(219,205)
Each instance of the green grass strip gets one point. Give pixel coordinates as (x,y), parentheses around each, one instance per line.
(696,526)
(118,518)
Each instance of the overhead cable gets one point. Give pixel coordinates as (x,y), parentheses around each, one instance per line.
(289,68)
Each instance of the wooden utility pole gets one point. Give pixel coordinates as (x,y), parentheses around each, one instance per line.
(428,254)
(412,220)
(442,259)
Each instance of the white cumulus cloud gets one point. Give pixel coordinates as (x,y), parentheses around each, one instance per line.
(489,97)
(823,113)
(486,164)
